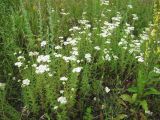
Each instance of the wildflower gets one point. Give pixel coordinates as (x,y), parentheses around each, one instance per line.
(74,52)
(77,70)
(107,89)
(58,47)
(55,107)
(41,69)
(63,83)
(43,43)
(107,57)
(130,6)
(33,53)
(57,55)
(61,91)
(18,64)
(156,70)
(50,74)
(115,57)
(103,106)
(43,58)
(25,82)
(72,89)
(62,100)
(135,17)
(34,65)
(148,112)
(94,98)
(21,58)
(140,58)
(88,57)
(97,48)
(63,78)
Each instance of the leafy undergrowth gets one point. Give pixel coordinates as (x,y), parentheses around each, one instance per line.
(79,60)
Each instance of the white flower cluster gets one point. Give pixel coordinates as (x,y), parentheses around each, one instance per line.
(129,29)
(63,78)
(104,2)
(107,56)
(97,48)
(43,58)
(25,82)
(107,89)
(108,28)
(62,100)
(156,70)
(42,69)
(77,70)
(43,66)
(88,57)
(19,63)
(43,43)
(33,53)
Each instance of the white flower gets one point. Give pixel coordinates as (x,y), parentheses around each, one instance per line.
(57,55)
(135,17)
(50,74)
(115,57)
(77,70)
(61,91)
(55,107)
(140,58)
(107,89)
(130,6)
(33,53)
(97,48)
(41,69)
(43,43)
(107,57)
(74,52)
(58,47)
(148,112)
(72,89)
(62,100)
(43,58)
(156,70)
(25,82)
(88,57)
(63,83)
(18,64)
(34,65)
(21,58)
(63,79)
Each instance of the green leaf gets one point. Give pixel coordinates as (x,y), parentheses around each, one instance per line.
(141,81)
(126,97)
(144,105)
(120,117)
(152,91)
(134,97)
(132,90)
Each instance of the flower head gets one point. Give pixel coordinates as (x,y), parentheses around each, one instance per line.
(77,70)
(107,89)
(62,100)
(25,82)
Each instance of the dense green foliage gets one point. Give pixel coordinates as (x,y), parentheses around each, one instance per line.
(79,60)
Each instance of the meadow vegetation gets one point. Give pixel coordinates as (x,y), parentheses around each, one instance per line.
(79,59)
